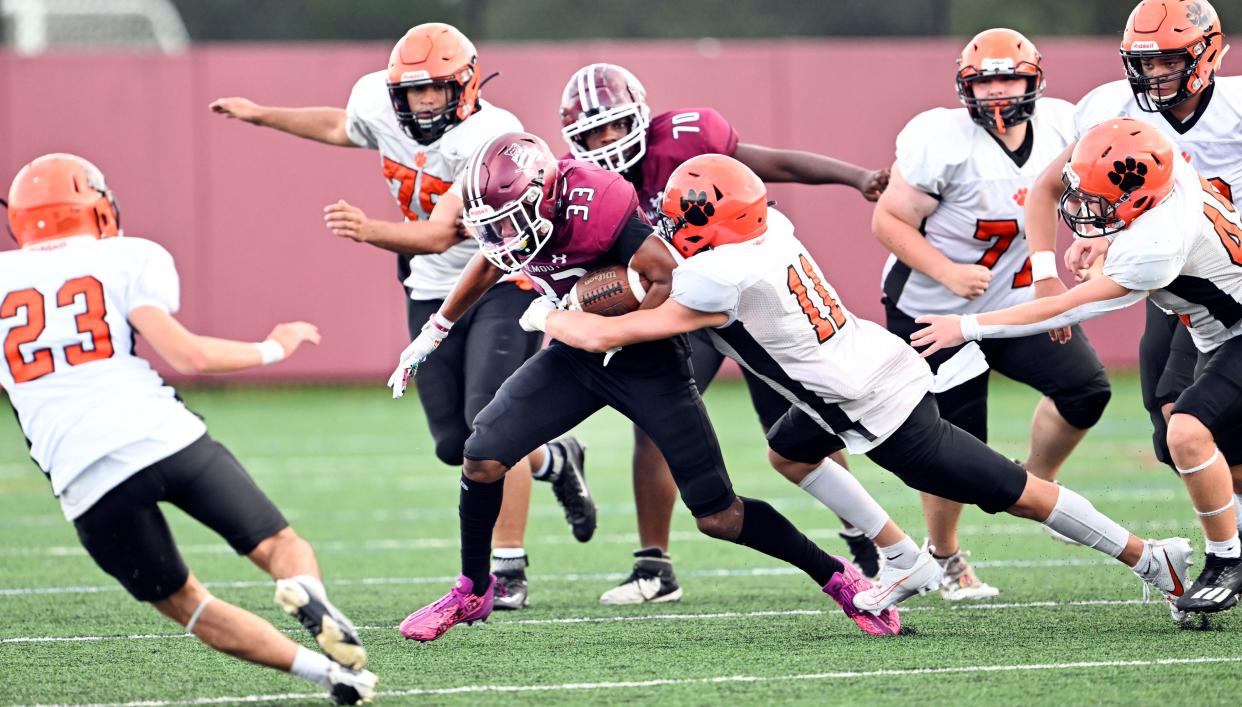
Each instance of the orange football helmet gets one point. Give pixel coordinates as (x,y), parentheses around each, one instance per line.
(712,200)
(434,53)
(1172,29)
(61,195)
(1004,53)
(1119,170)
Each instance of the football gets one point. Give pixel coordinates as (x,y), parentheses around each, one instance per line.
(608,291)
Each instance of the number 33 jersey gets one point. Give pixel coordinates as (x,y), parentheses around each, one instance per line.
(80,392)
(418,174)
(982,189)
(788,327)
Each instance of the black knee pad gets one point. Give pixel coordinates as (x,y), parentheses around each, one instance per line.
(1083,407)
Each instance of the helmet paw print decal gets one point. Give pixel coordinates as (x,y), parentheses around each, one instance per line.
(1128,175)
(695,207)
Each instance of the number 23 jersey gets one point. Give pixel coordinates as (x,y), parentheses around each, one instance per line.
(418,174)
(982,190)
(787,326)
(80,392)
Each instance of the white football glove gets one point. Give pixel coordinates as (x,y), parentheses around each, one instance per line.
(413,355)
(535,318)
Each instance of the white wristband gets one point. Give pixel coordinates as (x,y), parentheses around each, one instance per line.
(270,351)
(970,327)
(1043,265)
(440,324)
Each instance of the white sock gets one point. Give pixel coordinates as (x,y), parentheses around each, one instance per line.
(1237,508)
(1074,517)
(901,554)
(837,489)
(1226,548)
(311,666)
(508,553)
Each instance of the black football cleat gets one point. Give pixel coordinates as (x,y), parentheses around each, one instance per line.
(570,486)
(1217,587)
(511,592)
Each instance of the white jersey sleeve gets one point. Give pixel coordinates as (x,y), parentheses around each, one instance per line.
(697,289)
(931,148)
(362,112)
(1112,100)
(155,282)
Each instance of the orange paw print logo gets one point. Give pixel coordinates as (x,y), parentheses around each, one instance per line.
(420,160)
(1020,196)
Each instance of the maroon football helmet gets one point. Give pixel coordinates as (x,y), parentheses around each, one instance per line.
(510,198)
(599,94)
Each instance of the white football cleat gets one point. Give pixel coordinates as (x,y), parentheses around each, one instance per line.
(895,585)
(960,581)
(1169,572)
(350,687)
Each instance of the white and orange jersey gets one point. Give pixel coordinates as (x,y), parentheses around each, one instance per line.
(93,412)
(1187,253)
(418,174)
(1210,139)
(788,326)
(982,189)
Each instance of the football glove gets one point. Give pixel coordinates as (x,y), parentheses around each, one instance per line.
(419,349)
(535,318)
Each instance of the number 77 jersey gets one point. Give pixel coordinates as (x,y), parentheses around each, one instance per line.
(788,327)
(982,190)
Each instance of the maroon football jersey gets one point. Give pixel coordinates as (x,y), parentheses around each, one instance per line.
(675,137)
(595,206)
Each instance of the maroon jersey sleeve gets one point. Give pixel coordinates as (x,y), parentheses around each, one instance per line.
(694,131)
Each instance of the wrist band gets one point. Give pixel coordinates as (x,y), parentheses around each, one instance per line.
(270,351)
(439,323)
(970,327)
(1043,265)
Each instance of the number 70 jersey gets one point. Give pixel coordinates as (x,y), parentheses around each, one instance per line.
(788,327)
(69,366)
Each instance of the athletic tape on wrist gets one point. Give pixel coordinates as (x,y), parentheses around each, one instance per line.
(1043,265)
(1208,514)
(440,323)
(970,327)
(270,351)
(1202,466)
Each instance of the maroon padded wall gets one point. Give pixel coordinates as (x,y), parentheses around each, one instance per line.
(240,207)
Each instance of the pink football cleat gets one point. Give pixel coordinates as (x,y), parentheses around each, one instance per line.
(842,588)
(460,604)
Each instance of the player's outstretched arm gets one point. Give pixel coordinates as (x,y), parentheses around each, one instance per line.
(437,234)
(896,220)
(188,352)
(773,165)
(322,124)
(591,332)
(1091,299)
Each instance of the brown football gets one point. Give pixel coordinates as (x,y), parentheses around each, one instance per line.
(608,291)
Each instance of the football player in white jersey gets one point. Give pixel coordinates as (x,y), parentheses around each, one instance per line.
(1171,52)
(852,385)
(425,116)
(114,439)
(952,217)
(1176,239)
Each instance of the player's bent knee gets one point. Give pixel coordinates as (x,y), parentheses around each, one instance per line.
(181,604)
(1190,441)
(449,451)
(722,526)
(792,470)
(1084,408)
(483,471)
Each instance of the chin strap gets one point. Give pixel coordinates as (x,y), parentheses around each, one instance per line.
(490,76)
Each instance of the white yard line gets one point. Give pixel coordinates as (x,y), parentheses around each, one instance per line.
(376,545)
(722,679)
(571,577)
(628,619)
